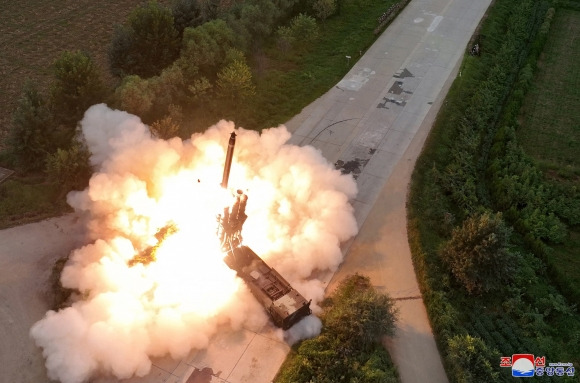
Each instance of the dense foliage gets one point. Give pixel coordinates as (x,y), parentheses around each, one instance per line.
(349,348)
(44,124)
(478,254)
(145,45)
(472,162)
(173,67)
(77,85)
(30,139)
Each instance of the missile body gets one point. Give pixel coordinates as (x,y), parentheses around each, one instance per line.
(228,164)
(285,305)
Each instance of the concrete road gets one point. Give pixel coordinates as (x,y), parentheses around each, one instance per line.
(372,125)
(381,251)
(27,255)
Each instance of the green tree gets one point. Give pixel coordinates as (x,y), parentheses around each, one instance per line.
(199,89)
(285,38)
(32,136)
(165,128)
(471,360)
(205,47)
(360,315)
(148,42)
(349,349)
(324,8)
(168,88)
(211,9)
(187,13)
(77,85)
(70,167)
(304,28)
(135,95)
(478,255)
(235,81)
(252,21)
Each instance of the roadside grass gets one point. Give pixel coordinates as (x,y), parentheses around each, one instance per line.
(29,199)
(281,94)
(551,111)
(288,81)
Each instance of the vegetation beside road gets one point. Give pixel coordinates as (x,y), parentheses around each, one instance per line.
(521,296)
(255,62)
(355,319)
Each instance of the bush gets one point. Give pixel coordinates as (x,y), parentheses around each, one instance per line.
(135,95)
(360,316)
(31,138)
(324,8)
(77,85)
(205,47)
(471,360)
(477,253)
(235,81)
(148,42)
(165,128)
(253,21)
(187,13)
(348,349)
(69,168)
(302,29)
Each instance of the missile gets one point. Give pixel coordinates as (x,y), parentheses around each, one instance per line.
(228,164)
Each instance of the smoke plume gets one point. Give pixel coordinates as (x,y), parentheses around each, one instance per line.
(158,198)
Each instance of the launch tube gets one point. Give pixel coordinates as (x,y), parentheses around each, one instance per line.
(228,164)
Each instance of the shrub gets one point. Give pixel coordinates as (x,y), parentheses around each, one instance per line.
(69,168)
(471,360)
(235,81)
(165,128)
(477,253)
(348,349)
(148,42)
(31,136)
(324,8)
(135,95)
(205,47)
(77,85)
(187,13)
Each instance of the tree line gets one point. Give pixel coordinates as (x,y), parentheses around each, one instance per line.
(483,217)
(195,55)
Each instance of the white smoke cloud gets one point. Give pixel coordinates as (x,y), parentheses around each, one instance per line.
(298,214)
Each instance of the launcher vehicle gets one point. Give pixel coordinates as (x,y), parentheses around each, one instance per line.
(284,304)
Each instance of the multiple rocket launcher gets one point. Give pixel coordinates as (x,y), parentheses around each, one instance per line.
(284,304)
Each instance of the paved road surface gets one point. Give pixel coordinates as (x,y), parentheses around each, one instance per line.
(372,125)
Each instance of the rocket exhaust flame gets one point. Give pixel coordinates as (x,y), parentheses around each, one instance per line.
(297,215)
